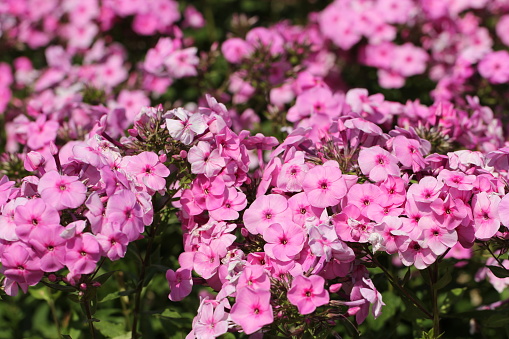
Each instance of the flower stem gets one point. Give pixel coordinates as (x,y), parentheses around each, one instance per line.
(396,284)
(86,304)
(139,286)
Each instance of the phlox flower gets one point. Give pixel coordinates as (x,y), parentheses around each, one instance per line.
(211,323)
(437,238)
(408,152)
(182,63)
(394,235)
(301,209)
(308,293)
(123,209)
(324,242)
(187,126)
(365,289)
(284,240)
(324,186)
(206,260)
(61,191)
(180,282)
(83,253)
(204,160)
(457,179)
(33,214)
(486,216)
(49,246)
(427,190)
(378,163)
(252,309)
(234,201)
(416,255)
(21,264)
(148,170)
(254,277)
(265,211)
(113,242)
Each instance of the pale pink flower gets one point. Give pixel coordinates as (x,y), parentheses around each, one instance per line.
(308,293)
(61,191)
(252,310)
(378,163)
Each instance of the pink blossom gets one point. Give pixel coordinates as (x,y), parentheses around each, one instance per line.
(83,253)
(308,293)
(252,309)
(324,186)
(148,170)
(62,191)
(235,49)
(204,160)
(437,238)
(180,282)
(265,211)
(495,67)
(20,264)
(211,323)
(377,163)
(49,246)
(486,219)
(284,240)
(33,214)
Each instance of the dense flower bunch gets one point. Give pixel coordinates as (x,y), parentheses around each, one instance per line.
(108,136)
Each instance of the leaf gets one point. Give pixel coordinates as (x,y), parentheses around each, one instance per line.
(110,329)
(127,335)
(103,277)
(451,298)
(111,296)
(443,281)
(40,294)
(171,314)
(59,287)
(499,272)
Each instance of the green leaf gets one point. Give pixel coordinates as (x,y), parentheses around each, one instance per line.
(111,296)
(451,298)
(40,294)
(58,287)
(102,278)
(171,314)
(110,329)
(443,281)
(499,272)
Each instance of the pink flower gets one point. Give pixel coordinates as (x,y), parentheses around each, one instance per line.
(252,310)
(377,163)
(180,282)
(235,49)
(324,186)
(495,67)
(49,246)
(284,241)
(61,191)
(485,211)
(211,323)
(204,160)
(83,253)
(20,264)
(308,293)
(148,170)
(33,214)
(265,211)
(437,238)
(187,126)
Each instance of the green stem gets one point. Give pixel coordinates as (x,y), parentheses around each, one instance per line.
(139,286)
(433,274)
(89,318)
(51,304)
(396,284)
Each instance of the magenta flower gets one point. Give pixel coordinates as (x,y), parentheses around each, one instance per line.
(377,163)
(21,264)
(307,293)
(437,238)
(265,211)
(49,246)
(148,170)
(284,241)
(211,323)
(62,191)
(486,216)
(180,282)
(187,126)
(204,160)
(254,277)
(324,186)
(35,213)
(83,253)
(252,310)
